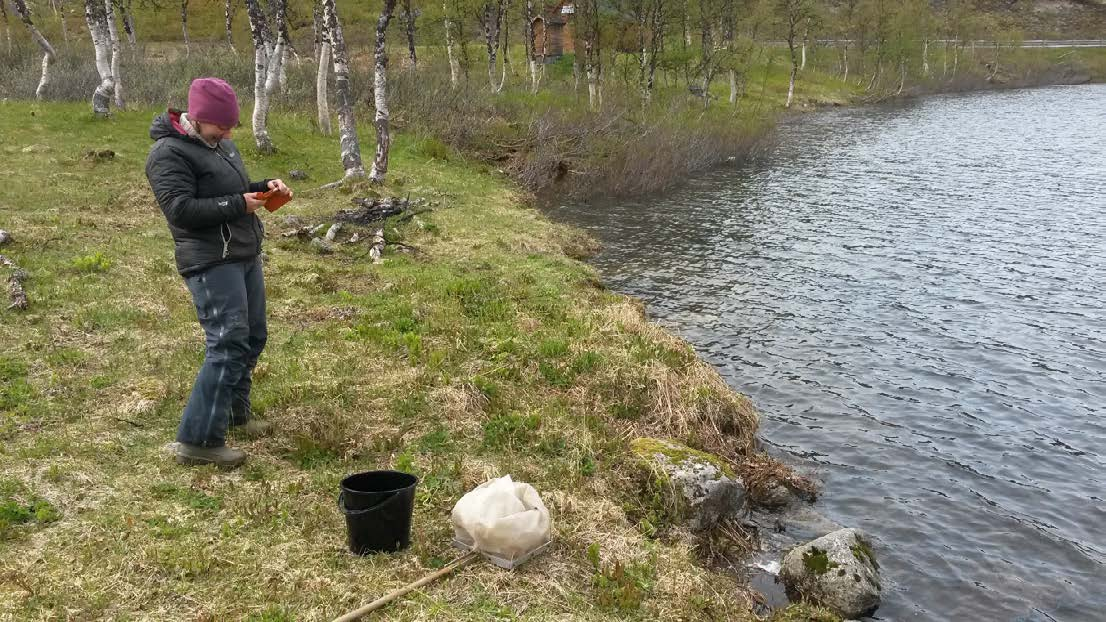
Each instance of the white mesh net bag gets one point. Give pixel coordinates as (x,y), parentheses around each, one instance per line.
(503,518)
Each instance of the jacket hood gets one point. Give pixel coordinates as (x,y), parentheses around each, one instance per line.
(167,124)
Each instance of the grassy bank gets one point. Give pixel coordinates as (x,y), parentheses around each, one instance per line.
(482,349)
(481,346)
(552,142)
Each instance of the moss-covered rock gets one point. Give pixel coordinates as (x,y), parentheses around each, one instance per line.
(691,486)
(838,571)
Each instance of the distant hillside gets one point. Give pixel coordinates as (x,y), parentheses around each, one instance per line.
(1050,19)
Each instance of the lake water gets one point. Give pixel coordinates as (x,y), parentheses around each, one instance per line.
(915,298)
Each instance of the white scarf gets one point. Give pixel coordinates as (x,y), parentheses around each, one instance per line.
(186,125)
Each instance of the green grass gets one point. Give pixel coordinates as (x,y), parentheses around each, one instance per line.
(486,351)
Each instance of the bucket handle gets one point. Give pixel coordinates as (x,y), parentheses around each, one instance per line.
(348,512)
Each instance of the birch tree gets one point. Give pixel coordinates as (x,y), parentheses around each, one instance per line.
(126,8)
(588,26)
(96,17)
(729,36)
(409,16)
(280,16)
(228,24)
(531,55)
(877,18)
(184,27)
(322,46)
(450,54)
(267,64)
(504,42)
(796,14)
(492,19)
(708,16)
(48,54)
(845,27)
(649,15)
(116,74)
(380,96)
(347,125)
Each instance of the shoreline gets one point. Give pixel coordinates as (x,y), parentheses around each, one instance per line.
(481,350)
(488,349)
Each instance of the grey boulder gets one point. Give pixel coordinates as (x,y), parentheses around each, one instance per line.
(838,571)
(700,487)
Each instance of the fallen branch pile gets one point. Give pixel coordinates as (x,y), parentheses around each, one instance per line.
(370,210)
(15,284)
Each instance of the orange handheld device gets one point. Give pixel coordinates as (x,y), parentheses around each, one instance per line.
(273,199)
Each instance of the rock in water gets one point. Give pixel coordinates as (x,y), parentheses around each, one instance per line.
(702,488)
(838,571)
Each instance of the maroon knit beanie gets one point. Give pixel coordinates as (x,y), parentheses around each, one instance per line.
(212,100)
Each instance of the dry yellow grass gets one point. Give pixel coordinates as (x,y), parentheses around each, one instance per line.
(487,352)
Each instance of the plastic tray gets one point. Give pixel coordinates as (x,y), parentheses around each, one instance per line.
(508,564)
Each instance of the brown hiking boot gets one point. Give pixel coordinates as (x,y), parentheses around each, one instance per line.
(254,428)
(222,457)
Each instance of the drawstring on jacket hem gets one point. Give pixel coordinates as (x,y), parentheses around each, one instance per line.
(226,240)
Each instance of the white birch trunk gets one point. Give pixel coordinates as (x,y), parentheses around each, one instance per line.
(925,58)
(184,27)
(791,87)
(347,125)
(48,54)
(96,19)
(453,67)
(317,29)
(594,101)
(802,65)
(261,59)
(260,105)
(902,75)
(593,89)
(409,22)
(128,27)
(531,55)
(283,77)
(320,88)
(845,61)
(228,22)
(380,96)
(733,86)
(265,96)
(504,14)
(491,39)
(116,74)
(793,21)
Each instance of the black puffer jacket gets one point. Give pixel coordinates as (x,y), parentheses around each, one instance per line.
(200,191)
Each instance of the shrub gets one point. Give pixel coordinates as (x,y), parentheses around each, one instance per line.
(95,262)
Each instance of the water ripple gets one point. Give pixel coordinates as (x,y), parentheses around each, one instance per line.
(915,297)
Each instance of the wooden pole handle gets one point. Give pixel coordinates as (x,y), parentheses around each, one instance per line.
(384,600)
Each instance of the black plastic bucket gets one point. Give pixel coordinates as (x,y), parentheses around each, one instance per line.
(378,507)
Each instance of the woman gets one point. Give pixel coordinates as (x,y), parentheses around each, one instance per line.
(200,182)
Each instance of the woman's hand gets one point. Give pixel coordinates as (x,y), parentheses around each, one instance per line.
(252,202)
(278,185)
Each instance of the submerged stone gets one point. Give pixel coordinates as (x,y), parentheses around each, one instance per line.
(838,570)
